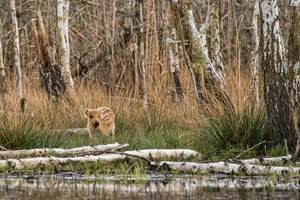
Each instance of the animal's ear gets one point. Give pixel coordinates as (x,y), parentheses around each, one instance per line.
(86,113)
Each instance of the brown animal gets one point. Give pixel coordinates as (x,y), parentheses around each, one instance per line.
(100,120)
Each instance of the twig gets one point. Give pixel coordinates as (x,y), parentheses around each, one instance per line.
(131,155)
(3,148)
(249,149)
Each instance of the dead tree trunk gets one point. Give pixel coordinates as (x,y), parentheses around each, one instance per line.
(51,77)
(63,38)
(280,124)
(3,89)
(195,42)
(174,61)
(255,56)
(141,59)
(17,60)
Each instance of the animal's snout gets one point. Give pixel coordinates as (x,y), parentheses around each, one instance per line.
(96,124)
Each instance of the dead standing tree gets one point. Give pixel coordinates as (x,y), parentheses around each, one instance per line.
(141,57)
(3,89)
(51,77)
(63,38)
(17,59)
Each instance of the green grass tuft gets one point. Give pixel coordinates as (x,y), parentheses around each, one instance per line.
(233,129)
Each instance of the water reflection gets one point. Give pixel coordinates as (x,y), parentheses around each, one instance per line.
(155,186)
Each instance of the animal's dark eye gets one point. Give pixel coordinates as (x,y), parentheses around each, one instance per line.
(91,116)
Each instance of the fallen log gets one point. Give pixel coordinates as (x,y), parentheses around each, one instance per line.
(228,168)
(266,161)
(107,157)
(60,151)
(159,154)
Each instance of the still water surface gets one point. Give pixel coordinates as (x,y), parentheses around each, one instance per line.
(147,187)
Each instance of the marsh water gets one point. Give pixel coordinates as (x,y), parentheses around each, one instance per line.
(69,185)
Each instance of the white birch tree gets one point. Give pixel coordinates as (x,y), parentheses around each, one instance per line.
(3,89)
(255,55)
(63,36)
(280,123)
(17,61)
(196,41)
(174,62)
(215,41)
(142,70)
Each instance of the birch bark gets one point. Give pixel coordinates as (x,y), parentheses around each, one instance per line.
(142,70)
(255,55)
(3,88)
(17,61)
(280,124)
(174,61)
(63,36)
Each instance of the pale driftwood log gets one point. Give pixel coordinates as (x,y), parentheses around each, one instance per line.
(159,154)
(151,154)
(61,152)
(266,160)
(229,168)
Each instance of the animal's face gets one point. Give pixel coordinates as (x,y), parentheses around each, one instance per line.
(93,116)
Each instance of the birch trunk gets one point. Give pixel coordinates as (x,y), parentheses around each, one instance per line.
(152,154)
(266,161)
(142,70)
(280,124)
(255,55)
(3,88)
(174,61)
(294,69)
(17,60)
(215,41)
(61,152)
(229,168)
(63,38)
(198,52)
(51,77)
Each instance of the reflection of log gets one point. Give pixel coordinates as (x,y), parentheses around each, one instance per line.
(61,152)
(157,154)
(228,168)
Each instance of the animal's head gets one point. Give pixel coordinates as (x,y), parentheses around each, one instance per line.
(93,116)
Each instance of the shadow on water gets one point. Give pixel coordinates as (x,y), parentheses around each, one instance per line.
(156,186)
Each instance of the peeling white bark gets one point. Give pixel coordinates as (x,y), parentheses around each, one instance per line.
(142,70)
(151,154)
(266,160)
(159,154)
(255,65)
(3,89)
(229,168)
(17,61)
(215,47)
(270,24)
(60,152)
(197,47)
(63,36)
